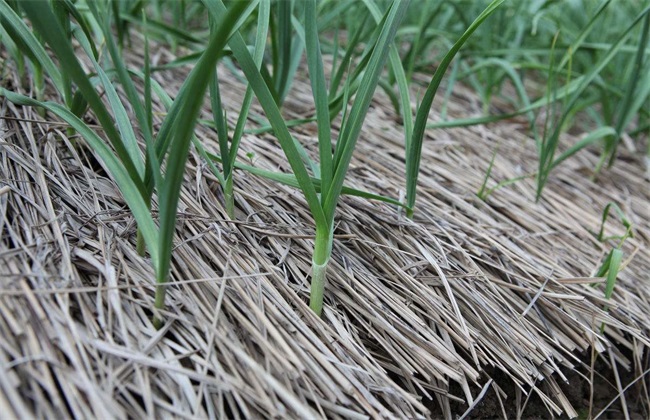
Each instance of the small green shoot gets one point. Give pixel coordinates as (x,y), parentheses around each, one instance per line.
(483,192)
(629,233)
(612,263)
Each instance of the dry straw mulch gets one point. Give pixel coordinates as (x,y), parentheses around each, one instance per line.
(416,311)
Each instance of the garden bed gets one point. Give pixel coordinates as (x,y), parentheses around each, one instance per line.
(420,315)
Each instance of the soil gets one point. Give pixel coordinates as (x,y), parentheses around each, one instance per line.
(606,403)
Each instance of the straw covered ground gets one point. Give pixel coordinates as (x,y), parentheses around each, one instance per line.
(471,303)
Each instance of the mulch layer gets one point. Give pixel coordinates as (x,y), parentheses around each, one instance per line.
(482,308)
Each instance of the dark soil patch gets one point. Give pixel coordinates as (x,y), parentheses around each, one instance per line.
(576,388)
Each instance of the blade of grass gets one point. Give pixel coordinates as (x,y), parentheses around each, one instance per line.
(483,192)
(414,149)
(612,272)
(44,21)
(282,43)
(593,137)
(453,77)
(290,180)
(220,122)
(360,32)
(319,92)
(258,56)
(297,47)
(429,8)
(121,116)
(349,134)
(267,128)
(610,267)
(627,107)
(152,163)
(397,69)
(140,110)
(194,87)
(626,223)
(61,13)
